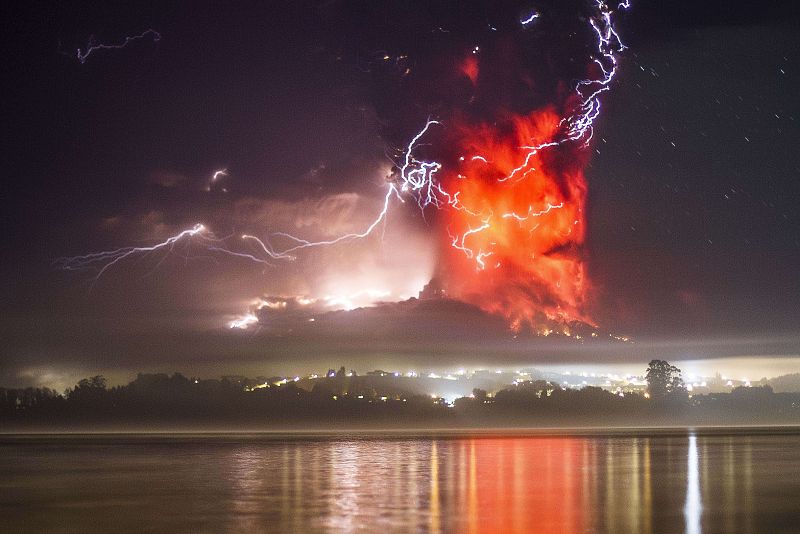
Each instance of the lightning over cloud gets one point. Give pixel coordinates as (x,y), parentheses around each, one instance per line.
(507,192)
(105,260)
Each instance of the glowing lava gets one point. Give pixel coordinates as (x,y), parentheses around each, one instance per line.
(515,248)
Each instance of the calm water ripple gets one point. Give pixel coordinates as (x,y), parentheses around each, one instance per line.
(674,482)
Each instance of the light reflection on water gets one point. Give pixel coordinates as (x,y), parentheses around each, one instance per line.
(624,483)
(694,503)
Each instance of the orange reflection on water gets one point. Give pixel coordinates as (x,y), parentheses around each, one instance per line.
(523,485)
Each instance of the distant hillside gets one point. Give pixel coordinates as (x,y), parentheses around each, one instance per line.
(786,383)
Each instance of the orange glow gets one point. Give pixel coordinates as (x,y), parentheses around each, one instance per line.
(517,237)
(526,486)
(470,68)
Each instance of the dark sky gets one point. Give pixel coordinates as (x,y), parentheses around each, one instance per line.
(694,179)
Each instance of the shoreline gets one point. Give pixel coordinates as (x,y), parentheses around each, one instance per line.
(418,433)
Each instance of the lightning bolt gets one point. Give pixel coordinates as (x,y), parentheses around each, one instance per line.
(91,46)
(529,19)
(532,213)
(103,261)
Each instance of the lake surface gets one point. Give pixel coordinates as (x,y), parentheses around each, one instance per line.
(744,481)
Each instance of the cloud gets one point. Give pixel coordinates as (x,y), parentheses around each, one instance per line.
(166,178)
(318,217)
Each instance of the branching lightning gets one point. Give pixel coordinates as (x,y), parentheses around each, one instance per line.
(83,54)
(103,261)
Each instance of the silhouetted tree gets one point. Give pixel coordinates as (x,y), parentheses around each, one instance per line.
(90,394)
(663,379)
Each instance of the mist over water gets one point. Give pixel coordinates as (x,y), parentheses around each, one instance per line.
(659,482)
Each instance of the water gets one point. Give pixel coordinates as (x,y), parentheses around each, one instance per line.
(626,482)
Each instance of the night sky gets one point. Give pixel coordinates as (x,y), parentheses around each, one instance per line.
(692,237)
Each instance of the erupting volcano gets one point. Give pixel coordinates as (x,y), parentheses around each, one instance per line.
(511,115)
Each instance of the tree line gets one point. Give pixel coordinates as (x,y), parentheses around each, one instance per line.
(348,399)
